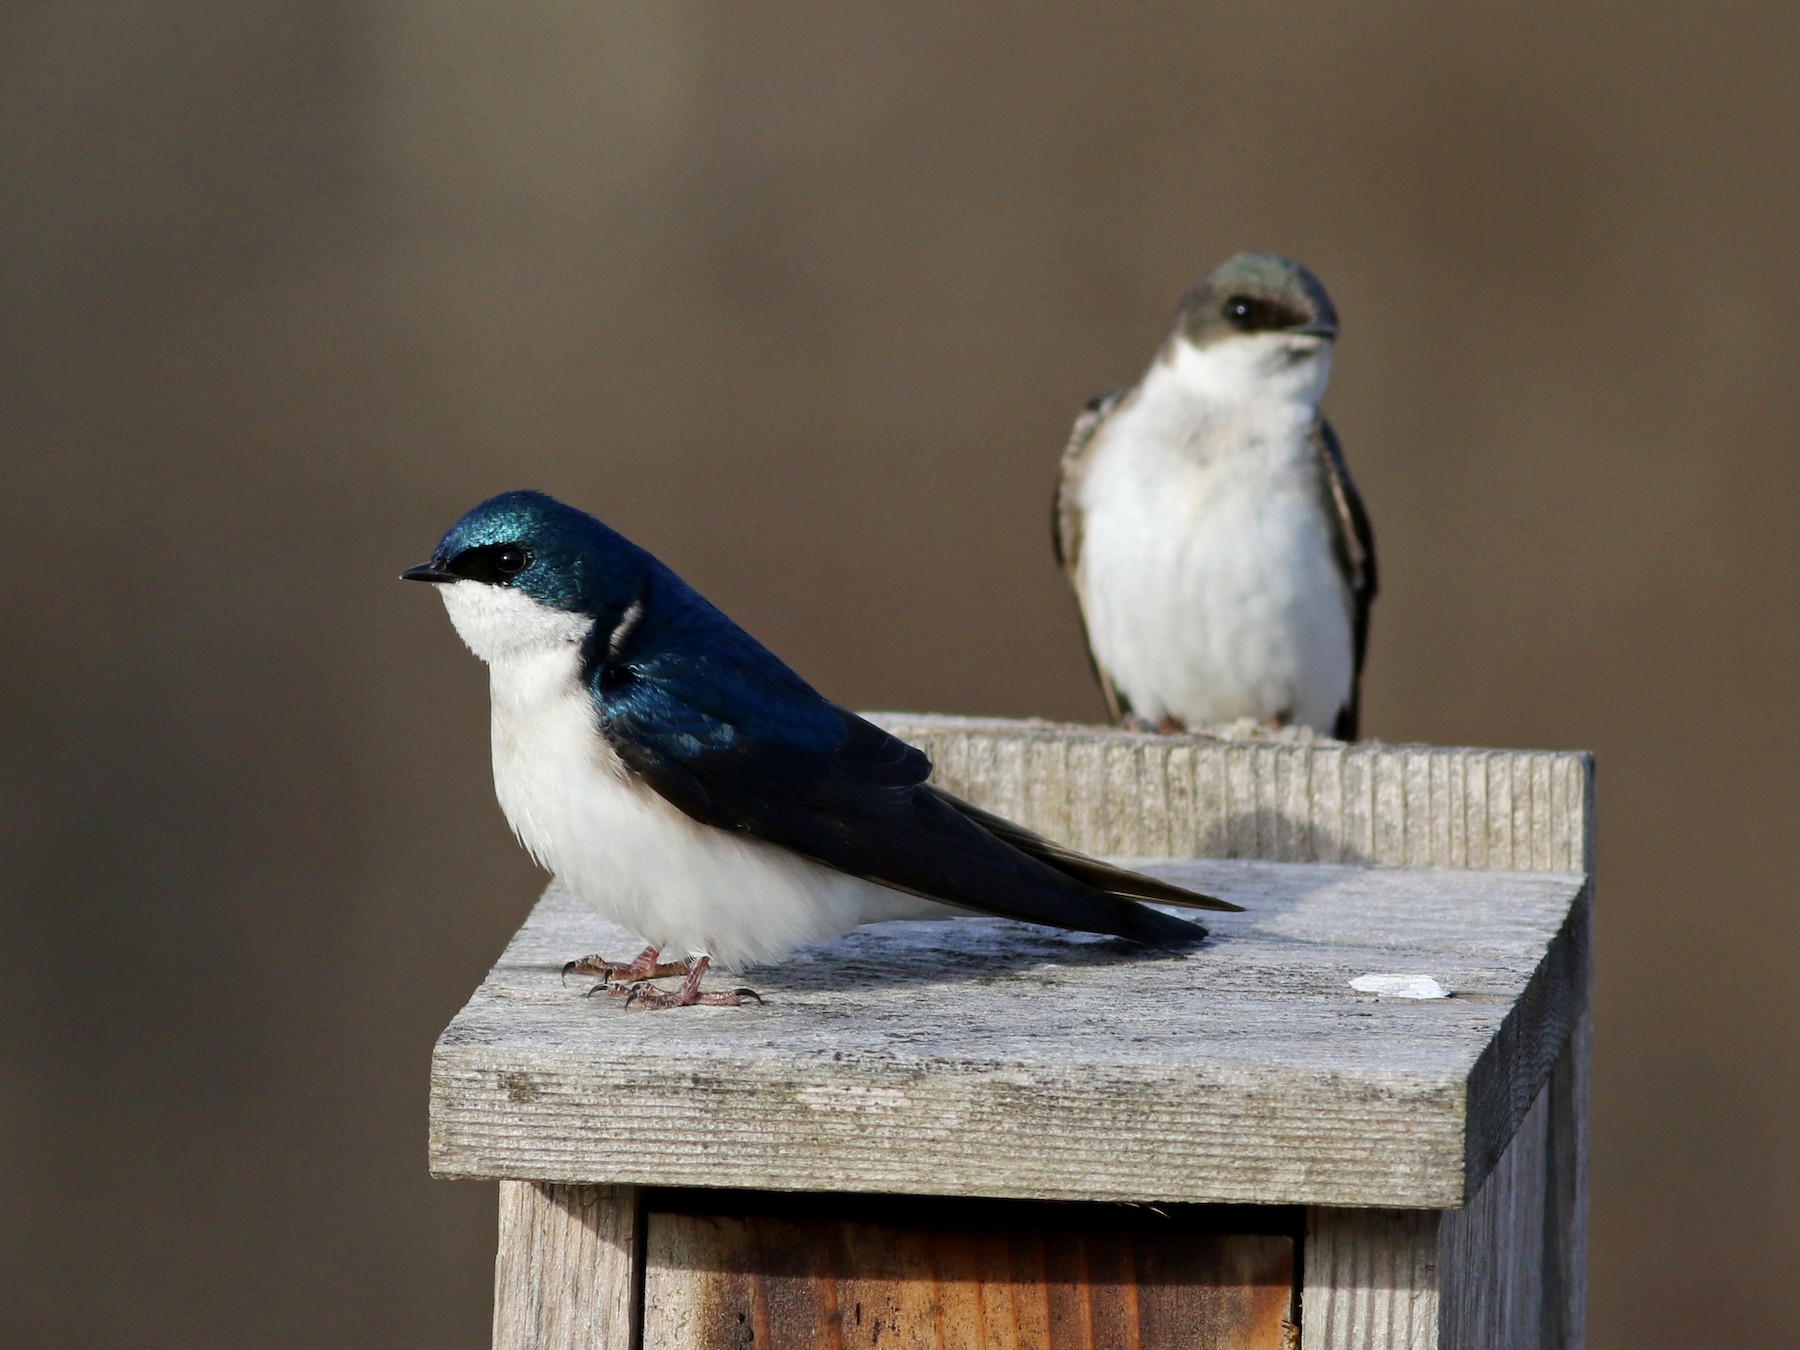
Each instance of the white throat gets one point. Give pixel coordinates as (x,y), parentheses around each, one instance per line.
(1251,369)
(499,623)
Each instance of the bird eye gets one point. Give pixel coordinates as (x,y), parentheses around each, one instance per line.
(1258,314)
(491,564)
(1243,313)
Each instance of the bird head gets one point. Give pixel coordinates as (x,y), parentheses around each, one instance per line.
(1260,317)
(523,571)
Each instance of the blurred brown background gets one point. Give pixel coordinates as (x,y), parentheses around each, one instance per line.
(803,298)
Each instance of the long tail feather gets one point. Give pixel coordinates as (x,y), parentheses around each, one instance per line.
(1102,875)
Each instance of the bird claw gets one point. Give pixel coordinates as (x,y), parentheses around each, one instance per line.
(652,999)
(644,966)
(630,981)
(649,997)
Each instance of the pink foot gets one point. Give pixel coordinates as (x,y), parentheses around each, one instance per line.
(645,967)
(688,996)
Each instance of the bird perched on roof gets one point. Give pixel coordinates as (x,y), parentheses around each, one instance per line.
(1205,516)
(674,774)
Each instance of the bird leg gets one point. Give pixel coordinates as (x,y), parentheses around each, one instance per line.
(689,995)
(645,967)
(1168,726)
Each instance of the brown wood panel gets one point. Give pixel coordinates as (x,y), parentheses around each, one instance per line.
(731,1281)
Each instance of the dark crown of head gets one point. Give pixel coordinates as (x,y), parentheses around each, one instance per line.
(552,552)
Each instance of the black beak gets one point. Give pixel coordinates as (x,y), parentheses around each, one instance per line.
(431,571)
(1324,328)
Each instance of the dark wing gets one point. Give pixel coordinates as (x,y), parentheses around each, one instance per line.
(1114,880)
(1065,520)
(812,777)
(1353,540)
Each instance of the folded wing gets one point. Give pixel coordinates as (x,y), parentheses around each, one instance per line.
(758,751)
(1353,542)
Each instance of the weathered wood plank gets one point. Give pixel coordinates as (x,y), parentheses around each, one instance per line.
(1505,1272)
(728,1280)
(1568,1184)
(979,1057)
(1370,1280)
(564,1274)
(1128,794)
(1491,1254)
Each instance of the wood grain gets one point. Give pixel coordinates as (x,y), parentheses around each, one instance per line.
(1131,795)
(980,1057)
(564,1273)
(1492,1253)
(1370,1281)
(1468,1279)
(729,1281)
(1567,1240)
(1507,1271)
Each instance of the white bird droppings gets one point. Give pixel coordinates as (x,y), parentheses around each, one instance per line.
(1400,986)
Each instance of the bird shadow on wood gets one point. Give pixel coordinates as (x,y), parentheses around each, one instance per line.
(982,950)
(953,951)
(1266,835)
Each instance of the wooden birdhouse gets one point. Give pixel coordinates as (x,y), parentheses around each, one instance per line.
(1356,1117)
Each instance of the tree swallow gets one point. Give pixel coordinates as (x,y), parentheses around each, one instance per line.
(676,776)
(1219,551)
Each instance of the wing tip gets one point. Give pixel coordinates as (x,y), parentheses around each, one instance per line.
(1166,932)
(1168,893)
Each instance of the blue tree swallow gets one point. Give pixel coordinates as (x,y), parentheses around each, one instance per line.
(1218,548)
(679,778)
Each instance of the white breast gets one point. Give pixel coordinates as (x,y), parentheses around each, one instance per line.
(640,862)
(1206,576)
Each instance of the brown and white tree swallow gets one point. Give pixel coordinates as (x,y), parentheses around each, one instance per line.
(1221,555)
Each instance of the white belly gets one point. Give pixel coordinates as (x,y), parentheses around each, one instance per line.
(1208,582)
(640,862)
